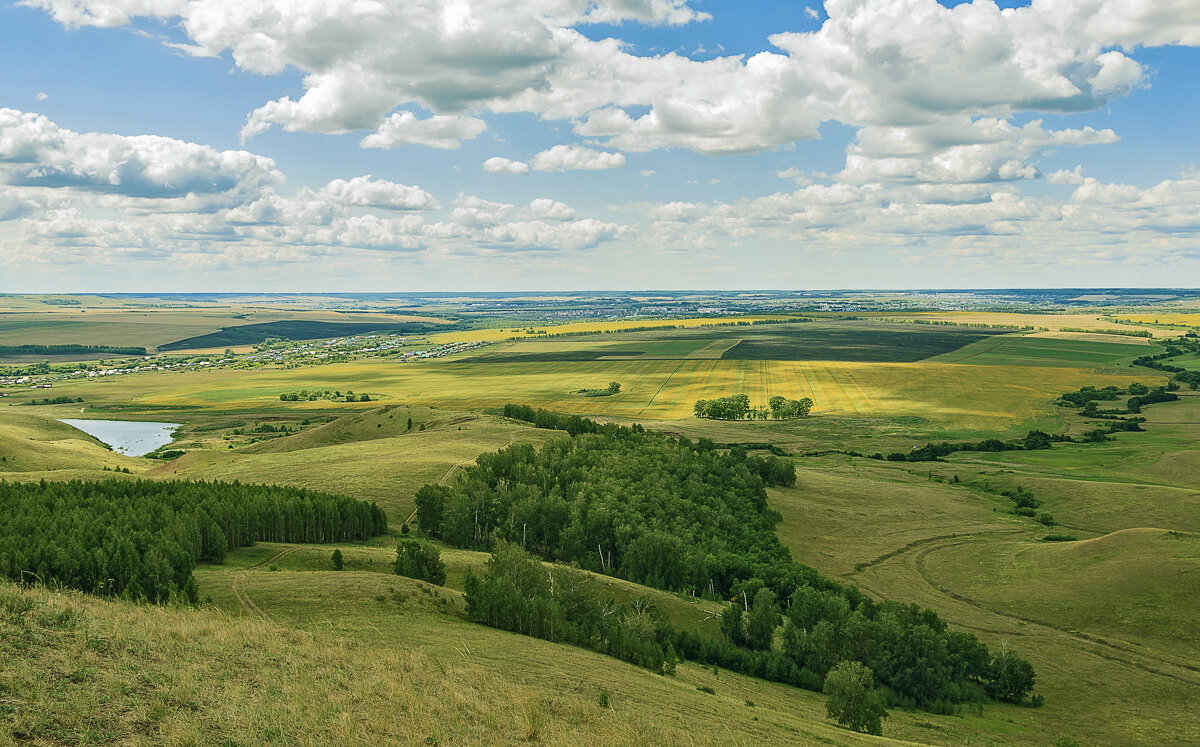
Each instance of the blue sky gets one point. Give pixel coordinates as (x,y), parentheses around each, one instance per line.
(575,144)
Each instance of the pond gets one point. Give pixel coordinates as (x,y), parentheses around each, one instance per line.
(129,437)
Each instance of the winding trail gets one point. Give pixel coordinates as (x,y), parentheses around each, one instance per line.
(1151,661)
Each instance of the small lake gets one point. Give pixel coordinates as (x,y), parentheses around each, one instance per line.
(129,437)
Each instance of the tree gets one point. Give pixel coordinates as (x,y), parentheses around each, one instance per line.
(1009,676)
(419,560)
(760,628)
(732,625)
(853,700)
(431,506)
(614,387)
(338,562)
(410,423)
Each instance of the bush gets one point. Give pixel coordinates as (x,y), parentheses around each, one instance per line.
(1060,538)
(1046,519)
(338,561)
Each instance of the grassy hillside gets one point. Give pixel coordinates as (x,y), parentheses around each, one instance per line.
(357,659)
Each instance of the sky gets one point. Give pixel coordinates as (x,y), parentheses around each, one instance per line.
(493,145)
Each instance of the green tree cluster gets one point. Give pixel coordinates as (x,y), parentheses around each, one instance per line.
(141,539)
(517,592)
(419,560)
(663,511)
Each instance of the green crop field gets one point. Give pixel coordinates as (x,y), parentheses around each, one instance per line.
(1047,351)
(810,341)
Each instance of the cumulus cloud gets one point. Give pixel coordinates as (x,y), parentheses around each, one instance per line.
(958,149)
(445,133)
(576,158)
(363,191)
(35,151)
(96,197)
(871,63)
(501,165)
(546,209)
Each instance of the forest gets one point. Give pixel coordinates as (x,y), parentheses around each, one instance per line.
(665,512)
(141,540)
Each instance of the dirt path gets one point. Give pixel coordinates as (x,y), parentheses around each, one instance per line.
(239,580)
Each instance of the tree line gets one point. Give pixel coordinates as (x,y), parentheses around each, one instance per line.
(737,407)
(688,517)
(141,539)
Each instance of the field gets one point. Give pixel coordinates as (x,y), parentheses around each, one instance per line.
(542,330)
(934,399)
(811,341)
(1039,350)
(289,651)
(156,327)
(1167,317)
(1108,619)
(1053,322)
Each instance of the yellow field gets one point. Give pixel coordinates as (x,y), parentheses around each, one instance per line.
(946,396)
(1164,318)
(1053,322)
(496,335)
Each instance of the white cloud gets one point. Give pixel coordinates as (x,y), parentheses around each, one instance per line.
(576,158)
(544,208)
(871,63)
(477,212)
(538,235)
(362,191)
(42,96)
(35,151)
(957,149)
(501,165)
(1063,176)
(445,133)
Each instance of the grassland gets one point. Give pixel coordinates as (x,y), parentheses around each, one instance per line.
(1107,620)
(290,651)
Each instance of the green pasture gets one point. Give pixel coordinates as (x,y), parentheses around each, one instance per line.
(1024,350)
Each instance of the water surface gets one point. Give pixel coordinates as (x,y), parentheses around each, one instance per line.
(129,437)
